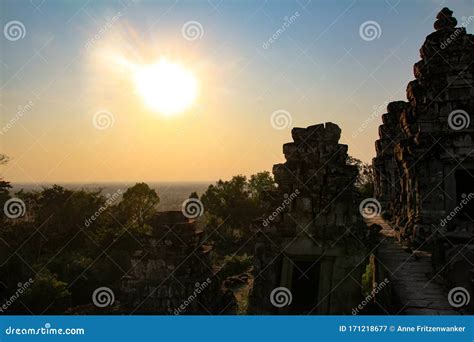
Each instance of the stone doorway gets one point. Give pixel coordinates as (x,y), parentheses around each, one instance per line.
(464,187)
(304,286)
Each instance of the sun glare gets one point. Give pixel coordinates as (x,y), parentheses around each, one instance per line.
(166,87)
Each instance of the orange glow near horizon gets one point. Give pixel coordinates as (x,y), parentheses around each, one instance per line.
(130,95)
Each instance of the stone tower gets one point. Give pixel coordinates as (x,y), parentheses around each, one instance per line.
(310,249)
(425,155)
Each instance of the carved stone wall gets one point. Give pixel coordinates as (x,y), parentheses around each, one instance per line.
(315,230)
(426,142)
(172,274)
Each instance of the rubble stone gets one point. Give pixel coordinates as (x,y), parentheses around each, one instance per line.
(173,273)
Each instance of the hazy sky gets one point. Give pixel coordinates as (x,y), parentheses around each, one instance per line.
(318,67)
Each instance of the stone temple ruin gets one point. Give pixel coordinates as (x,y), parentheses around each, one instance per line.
(313,248)
(172,274)
(315,238)
(424,166)
(425,162)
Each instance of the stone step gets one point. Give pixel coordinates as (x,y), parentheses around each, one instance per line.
(411,275)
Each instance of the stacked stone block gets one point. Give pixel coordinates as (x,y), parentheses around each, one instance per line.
(169,269)
(423,142)
(322,224)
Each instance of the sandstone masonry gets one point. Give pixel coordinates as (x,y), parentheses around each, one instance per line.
(315,245)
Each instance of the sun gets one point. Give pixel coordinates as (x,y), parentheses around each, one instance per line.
(166,87)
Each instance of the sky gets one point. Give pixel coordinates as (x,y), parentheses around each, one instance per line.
(69,110)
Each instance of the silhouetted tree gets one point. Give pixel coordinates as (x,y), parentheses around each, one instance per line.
(70,242)
(261,182)
(232,205)
(364,182)
(48,294)
(138,205)
(230,201)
